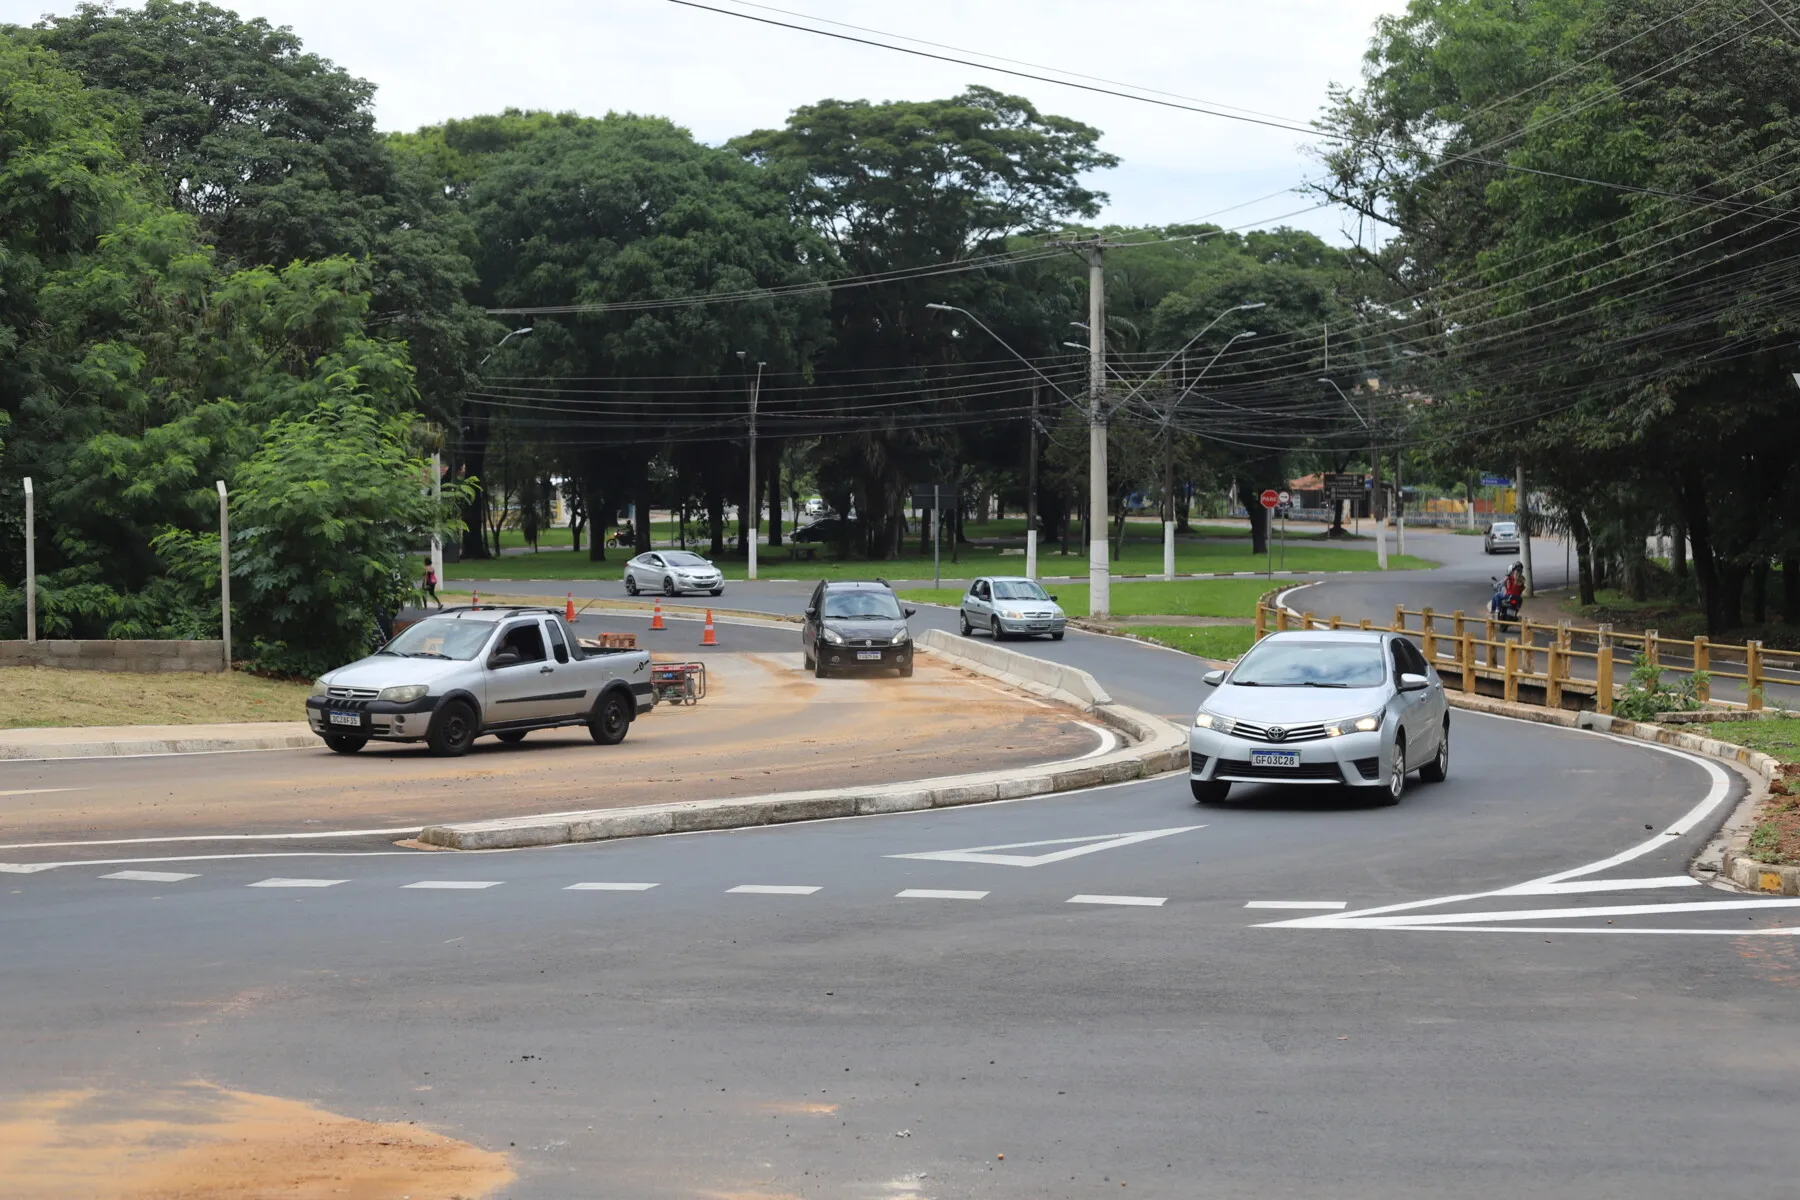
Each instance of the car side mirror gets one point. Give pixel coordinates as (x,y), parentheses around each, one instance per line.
(1213,678)
(504,658)
(1414,683)
(911,612)
(1053,598)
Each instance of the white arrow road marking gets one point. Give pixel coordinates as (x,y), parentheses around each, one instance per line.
(28,868)
(1563,914)
(150,876)
(1599,885)
(1077,847)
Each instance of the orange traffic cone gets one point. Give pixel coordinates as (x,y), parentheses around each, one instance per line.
(707,636)
(569,609)
(656,617)
(476,602)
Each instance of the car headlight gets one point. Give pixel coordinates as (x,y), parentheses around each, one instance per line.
(1012,614)
(1368,724)
(832,636)
(319,688)
(1215,722)
(901,638)
(404,694)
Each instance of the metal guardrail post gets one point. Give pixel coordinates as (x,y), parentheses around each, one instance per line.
(1510,687)
(1603,680)
(1702,662)
(1753,681)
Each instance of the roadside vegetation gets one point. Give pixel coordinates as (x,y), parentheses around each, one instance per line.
(37,697)
(1205,641)
(1775,838)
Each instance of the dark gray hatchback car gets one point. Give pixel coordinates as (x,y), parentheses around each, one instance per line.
(855,624)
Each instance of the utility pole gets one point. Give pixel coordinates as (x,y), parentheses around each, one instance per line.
(1524,515)
(1099,582)
(753,514)
(225,572)
(1031,490)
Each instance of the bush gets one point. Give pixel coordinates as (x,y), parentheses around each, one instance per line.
(1645,696)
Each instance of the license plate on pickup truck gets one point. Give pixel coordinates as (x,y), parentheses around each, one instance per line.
(1274,758)
(344,718)
(868,656)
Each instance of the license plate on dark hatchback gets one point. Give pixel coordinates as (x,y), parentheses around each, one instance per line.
(1275,758)
(868,656)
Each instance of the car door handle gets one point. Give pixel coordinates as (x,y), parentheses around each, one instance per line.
(545,670)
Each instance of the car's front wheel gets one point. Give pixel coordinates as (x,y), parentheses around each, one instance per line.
(343,743)
(453,730)
(610,720)
(968,630)
(718,591)
(1057,636)
(668,586)
(1396,782)
(1438,769)
(1209,792)
(994,628)
(906,670)
(818,666)
(631,587)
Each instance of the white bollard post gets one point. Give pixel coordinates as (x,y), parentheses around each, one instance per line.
(30,563)
(225,573)
(1169,551)
(437,517)
(1031,554)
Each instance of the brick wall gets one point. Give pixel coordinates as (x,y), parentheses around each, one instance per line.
(143,656)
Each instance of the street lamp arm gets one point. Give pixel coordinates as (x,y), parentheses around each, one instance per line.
(965,312)
(1191,341)
(1332,384)
(1249,333)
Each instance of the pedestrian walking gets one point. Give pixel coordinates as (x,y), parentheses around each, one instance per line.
(431,586)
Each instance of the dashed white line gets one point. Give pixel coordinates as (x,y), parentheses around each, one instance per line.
(454,885)
(1133,901)
(773,889)
(1323,905)
(609,887)
(938,894)
(297,883)
(150,876)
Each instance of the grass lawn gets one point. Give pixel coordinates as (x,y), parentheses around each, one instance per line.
(38,696)
(1207,641)
(1778,737)
(1775,838)
(1191,597)
(1139,558)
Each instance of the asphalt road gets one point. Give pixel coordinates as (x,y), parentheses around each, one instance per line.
(1508,985)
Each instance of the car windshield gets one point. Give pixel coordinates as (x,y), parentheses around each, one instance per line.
(862,604)
(1019,589)
(441,637)
(1505,530)
(1280,663)
(681,558)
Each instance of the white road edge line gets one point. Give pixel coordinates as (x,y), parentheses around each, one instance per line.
(279,882)
(609,887)
(453,885)
(773,889)
(938,894)
(1320,904)
(309,835)
(1131,901)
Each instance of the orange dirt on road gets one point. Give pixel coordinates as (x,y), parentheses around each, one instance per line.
(765,726)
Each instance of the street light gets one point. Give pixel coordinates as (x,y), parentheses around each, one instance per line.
(1168,424)
(1374,470)
(509,337)
(753,517)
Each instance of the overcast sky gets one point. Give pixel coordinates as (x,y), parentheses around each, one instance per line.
(720,75)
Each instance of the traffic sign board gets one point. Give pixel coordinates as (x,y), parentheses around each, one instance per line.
(1284,499)
(1270,499)
(1496,481)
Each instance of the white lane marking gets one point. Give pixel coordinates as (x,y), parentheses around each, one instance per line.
(1133,901)
(454,885)
(1077,847)
(773,889)
(67,758)
(279,882)
(42,791)
(937,894)
(1281,600)
(1321,904)
(150,876)
(1563,914)
(1599,885)
(311,835)
(28,868)
(609,887)
(1716,795)
(1786,931)
(1109,741)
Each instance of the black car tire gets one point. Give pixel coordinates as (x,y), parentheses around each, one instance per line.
(994,628)
(718,591)
(1057,636)
(1438,769)
(968,630)
(343,743)
(631,587)
(668,585)
(1396,784)
(610,721)
(906,671)
(818,666)
(512,737)
(1208,792)
(453,730)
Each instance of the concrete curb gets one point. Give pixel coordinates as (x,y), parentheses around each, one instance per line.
(131,747)
(1736,865)
(1160,748)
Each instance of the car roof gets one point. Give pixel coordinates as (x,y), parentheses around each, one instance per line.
(1330,635)
(856,585)
(492,612)
(1009,579)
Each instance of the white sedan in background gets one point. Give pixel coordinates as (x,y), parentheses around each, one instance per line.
(672,572)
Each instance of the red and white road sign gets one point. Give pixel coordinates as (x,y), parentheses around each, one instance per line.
(1285,498)
(1270,498)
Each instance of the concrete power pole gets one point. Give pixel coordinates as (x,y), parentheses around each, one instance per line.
(1099,581)
(1031,499)
(1524,515)
(225,572)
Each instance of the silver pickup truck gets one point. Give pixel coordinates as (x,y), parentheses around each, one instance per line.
(465,672)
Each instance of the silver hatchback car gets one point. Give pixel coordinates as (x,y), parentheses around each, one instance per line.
(1351,708)
(1011,606)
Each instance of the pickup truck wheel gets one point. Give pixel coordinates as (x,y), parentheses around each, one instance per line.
(512,737)
(631,587)
(610,720)
(343,743)
(453,731)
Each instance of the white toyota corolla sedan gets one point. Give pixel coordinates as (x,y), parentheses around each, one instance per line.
(1345,707)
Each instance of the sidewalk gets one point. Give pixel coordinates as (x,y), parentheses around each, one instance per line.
(104,741)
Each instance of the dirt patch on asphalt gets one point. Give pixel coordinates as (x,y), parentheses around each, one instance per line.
(202,1142)
(765,726)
